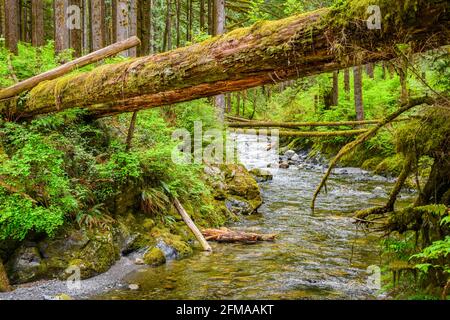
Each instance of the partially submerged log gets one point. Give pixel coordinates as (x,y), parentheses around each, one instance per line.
(69,66)
(227,235)
(308,134)
(268,52)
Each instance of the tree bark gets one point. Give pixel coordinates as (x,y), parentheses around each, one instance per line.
(98,24)
(37,28)
(268,124)
(359,106)
(133,23)
(347,83)
(335,100)
(219,28)
(121,22)
(265,53)
(12,27)
(75,34)
(61,30)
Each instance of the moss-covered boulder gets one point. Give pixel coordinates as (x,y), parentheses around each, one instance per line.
(27,264)
(261,175)
(154,257)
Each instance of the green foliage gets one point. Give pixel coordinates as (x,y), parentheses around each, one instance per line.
(434,257)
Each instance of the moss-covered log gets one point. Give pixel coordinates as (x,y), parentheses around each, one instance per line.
(268,52)
(274,124)
(308,134)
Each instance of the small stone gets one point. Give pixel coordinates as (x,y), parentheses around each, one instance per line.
(284,165)
(139,261)
(133,286)
(289,154)
(295,157)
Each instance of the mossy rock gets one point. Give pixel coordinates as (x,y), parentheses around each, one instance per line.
(154,257)
(261,174)
(172,244)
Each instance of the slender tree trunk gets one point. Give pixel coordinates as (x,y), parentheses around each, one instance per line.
(152,29)
(122,22)
(210,17)
(404,84)
(369,70)
(75,32)
(133,15)
(335,98)
(61,30)
(86,27)
(177,22)
(219,28)
(167,41)
(2,18)
(98,24)
(131,131)
(12,20)
(202,15)
(383,70)
(359,107)
(347,83)
(188,24)
(37,29)
(144,26)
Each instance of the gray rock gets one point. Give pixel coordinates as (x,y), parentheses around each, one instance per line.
(289,154)
(239,207)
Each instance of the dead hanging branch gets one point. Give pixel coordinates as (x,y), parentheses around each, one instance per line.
(366,136)
(363,215)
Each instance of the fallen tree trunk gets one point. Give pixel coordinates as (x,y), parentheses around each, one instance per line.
(274,124)
(227,235)
(307,134)
(268,52)
(69,66)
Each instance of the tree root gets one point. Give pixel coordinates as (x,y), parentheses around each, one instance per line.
(366,136)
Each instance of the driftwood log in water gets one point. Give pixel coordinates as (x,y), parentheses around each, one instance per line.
(227,235)
(268,52)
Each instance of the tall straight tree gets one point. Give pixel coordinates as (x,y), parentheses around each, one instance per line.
(75,30)
(357,78)
(144,25)
(335,97)
(347,83)
(37,27)
(12,27)
(121,21)
(61,30)
(219,28)
(167,40)
(133,25)
(98,28)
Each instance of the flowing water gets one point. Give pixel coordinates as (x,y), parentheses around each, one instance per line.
(320,255)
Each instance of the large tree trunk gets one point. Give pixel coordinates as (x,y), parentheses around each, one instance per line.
(98,24)
(12,20)
(37,18)
(268,52)
(61,30)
